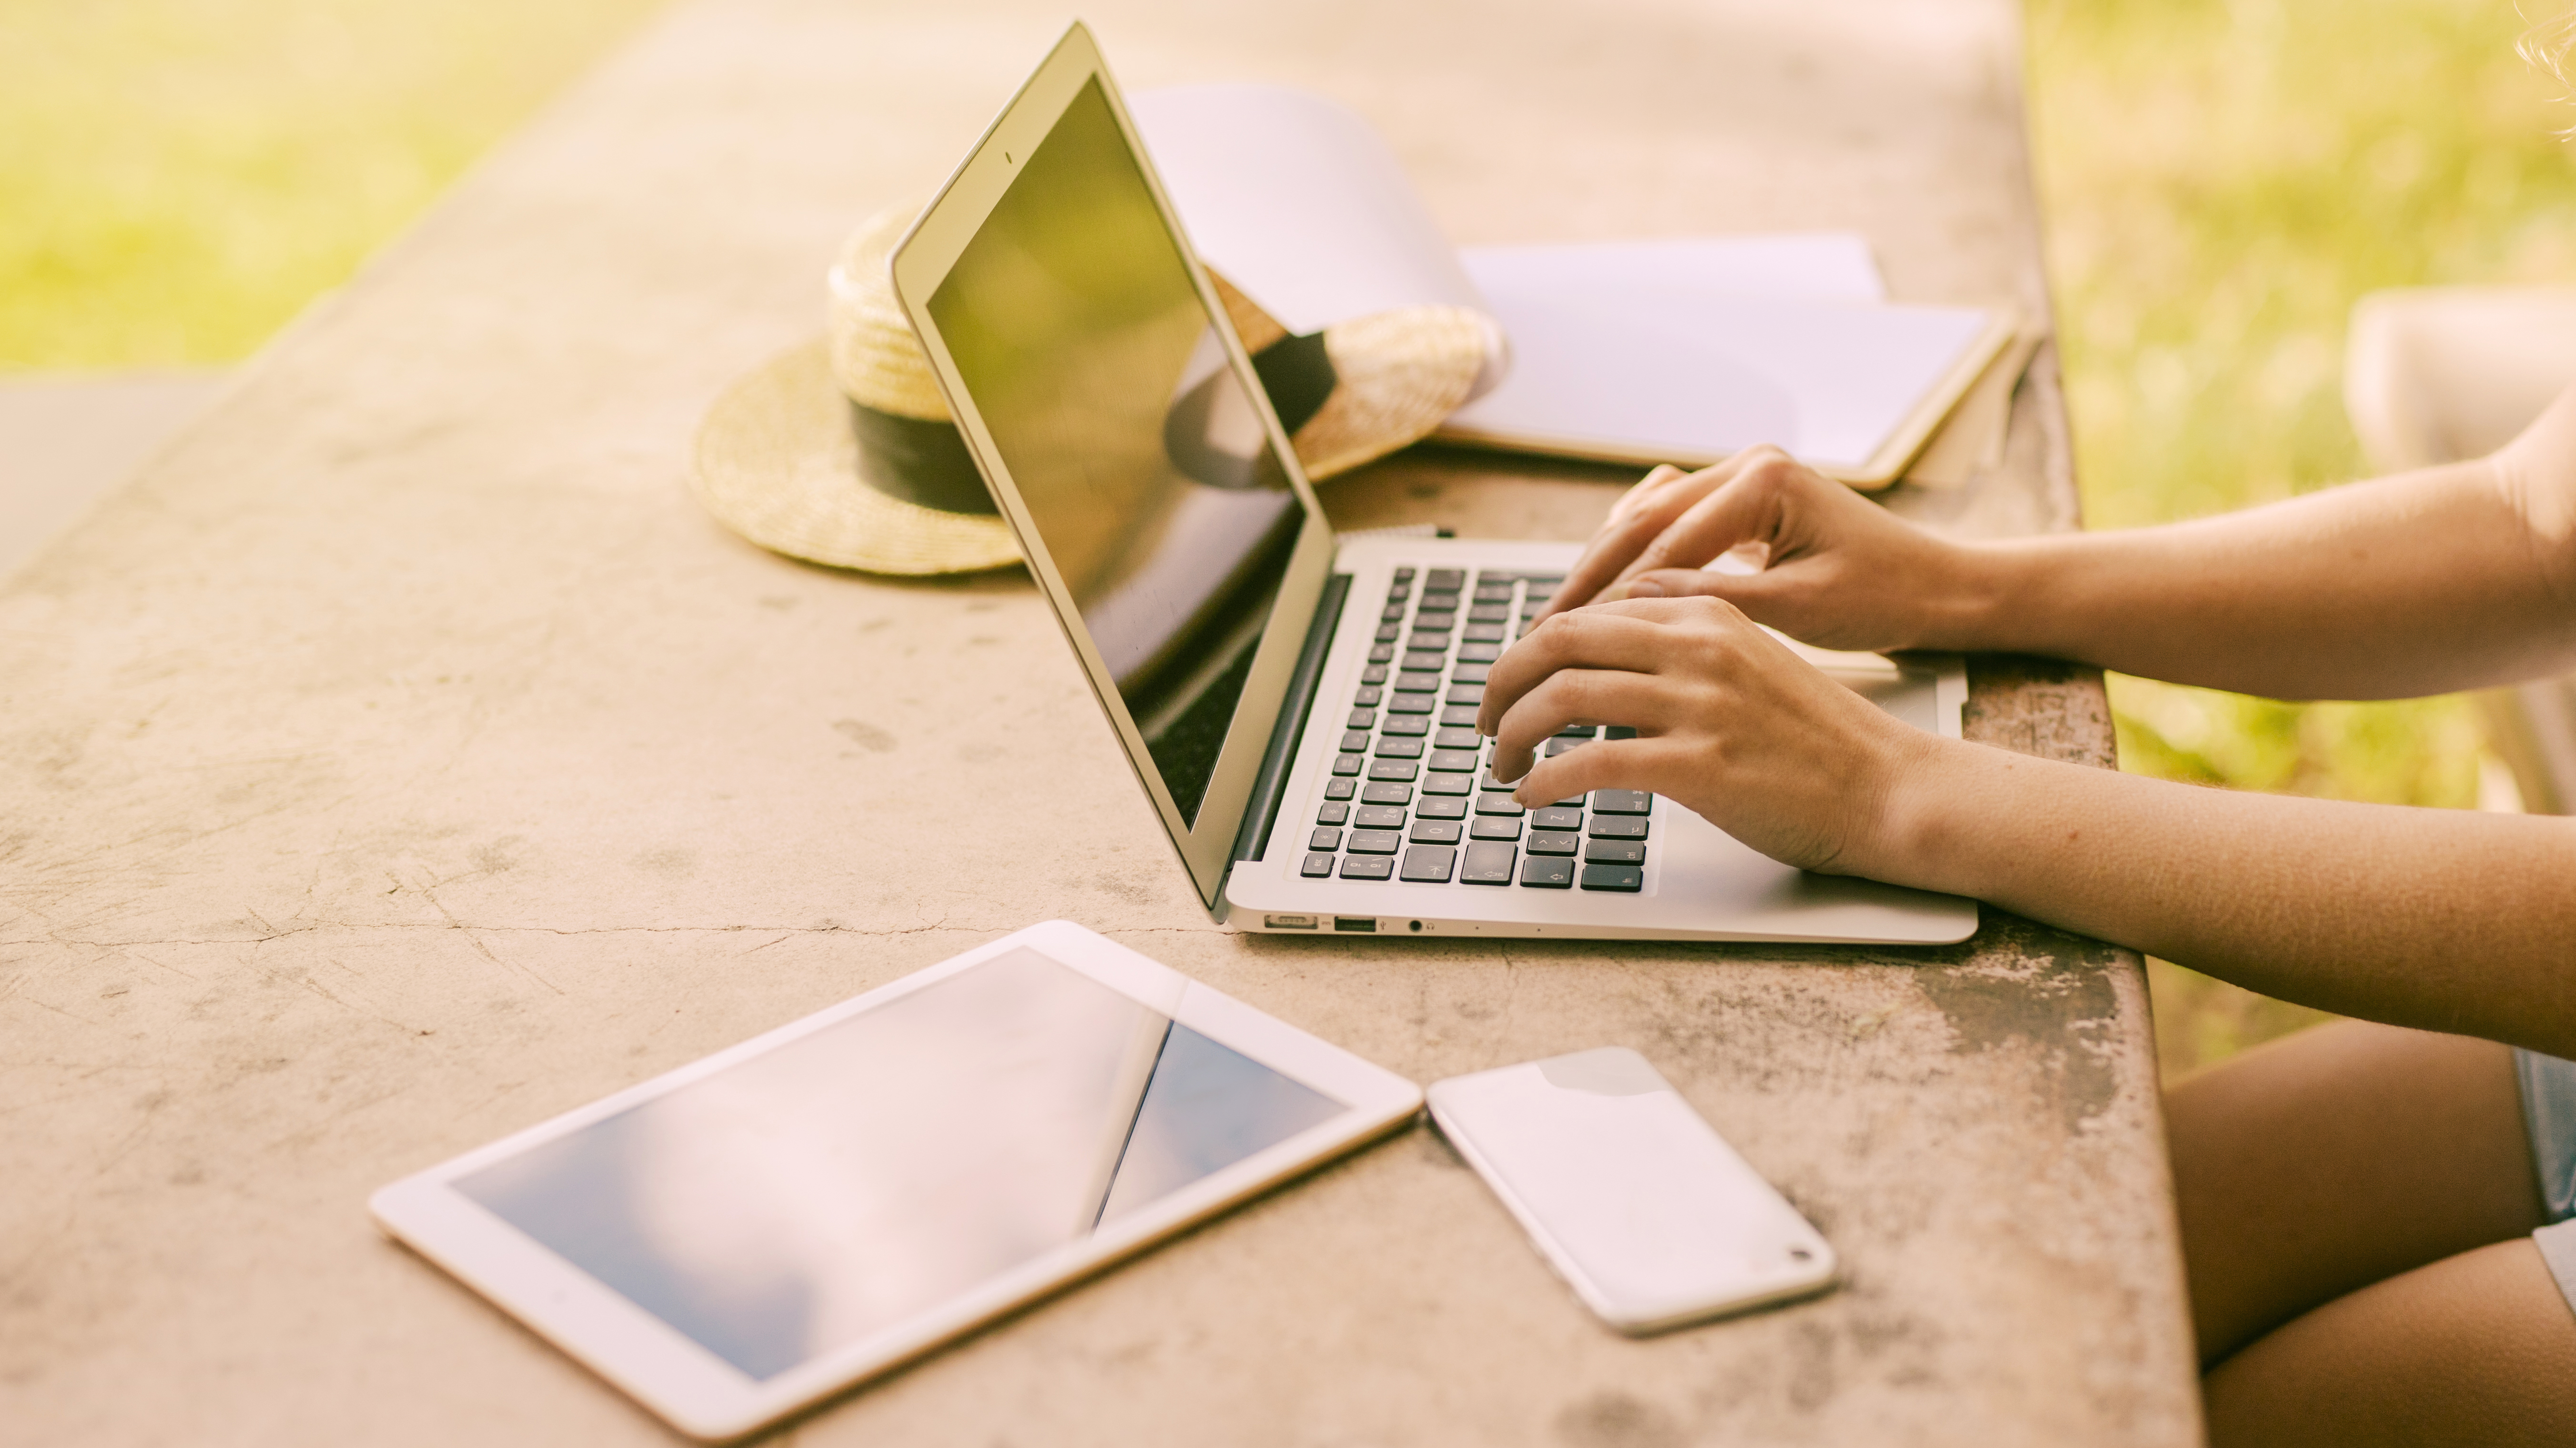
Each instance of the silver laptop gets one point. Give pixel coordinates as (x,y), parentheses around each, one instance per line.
(1300,711)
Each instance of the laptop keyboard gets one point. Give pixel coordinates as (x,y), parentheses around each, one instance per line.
(1412,795)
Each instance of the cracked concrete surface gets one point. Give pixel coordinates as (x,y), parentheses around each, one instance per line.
(402,759)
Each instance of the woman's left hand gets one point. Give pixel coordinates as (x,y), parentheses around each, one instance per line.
(1729,723)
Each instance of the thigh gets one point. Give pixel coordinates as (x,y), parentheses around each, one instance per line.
(2475,1349)
(2335,1158)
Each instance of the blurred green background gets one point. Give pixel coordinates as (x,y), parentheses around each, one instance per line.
(2221,179)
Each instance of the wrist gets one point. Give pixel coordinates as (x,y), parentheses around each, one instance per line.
(2003,597)
(1924,781)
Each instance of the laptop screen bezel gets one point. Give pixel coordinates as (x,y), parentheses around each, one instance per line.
(922,261)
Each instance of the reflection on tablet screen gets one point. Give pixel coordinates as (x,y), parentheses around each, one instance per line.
(805,1198)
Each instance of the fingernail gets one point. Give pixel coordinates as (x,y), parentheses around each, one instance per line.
(1645,588)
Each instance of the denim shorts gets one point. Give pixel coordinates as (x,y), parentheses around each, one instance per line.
(2549,1114)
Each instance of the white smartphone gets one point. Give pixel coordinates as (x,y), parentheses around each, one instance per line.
(1635,1201)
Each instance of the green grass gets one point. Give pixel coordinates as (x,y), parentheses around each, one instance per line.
(2222,179)
(180,177)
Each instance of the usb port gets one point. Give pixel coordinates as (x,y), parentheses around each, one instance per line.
(1366,925)
(1289,922)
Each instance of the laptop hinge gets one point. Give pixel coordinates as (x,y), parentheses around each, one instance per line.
(1262,809)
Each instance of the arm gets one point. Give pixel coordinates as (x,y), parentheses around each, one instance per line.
(2440,919)
(2441,579)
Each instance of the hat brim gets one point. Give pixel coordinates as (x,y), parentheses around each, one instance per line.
(778,463)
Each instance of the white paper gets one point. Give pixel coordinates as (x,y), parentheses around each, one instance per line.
(1704,349)
(1299,203)
(1824,266)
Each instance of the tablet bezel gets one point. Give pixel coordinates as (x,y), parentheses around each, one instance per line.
(707,1397)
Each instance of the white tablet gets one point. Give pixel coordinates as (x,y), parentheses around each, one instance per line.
(742,1236)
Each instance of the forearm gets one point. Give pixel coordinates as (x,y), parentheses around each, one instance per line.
(2411,585)
(2438,919)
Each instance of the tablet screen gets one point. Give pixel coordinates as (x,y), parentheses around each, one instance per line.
(802,1199)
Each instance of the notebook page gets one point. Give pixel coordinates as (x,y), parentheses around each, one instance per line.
(1300,204)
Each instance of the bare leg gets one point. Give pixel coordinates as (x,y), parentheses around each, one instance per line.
(2475,1349)
(2337,1158)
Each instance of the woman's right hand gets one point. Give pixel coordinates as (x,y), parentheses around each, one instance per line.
(1801,553)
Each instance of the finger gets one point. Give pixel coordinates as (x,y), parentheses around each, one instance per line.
(1746,510)
(1629,638)
(1575,696)
(1639,763)
(1645,511)
(1645,489)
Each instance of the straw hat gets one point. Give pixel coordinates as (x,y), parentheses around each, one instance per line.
(841,450)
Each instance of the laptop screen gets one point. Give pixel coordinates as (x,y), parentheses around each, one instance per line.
(1144,466)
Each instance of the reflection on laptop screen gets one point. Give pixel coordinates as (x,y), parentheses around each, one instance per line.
(1149,475)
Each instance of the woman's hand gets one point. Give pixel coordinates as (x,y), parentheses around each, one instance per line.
(1799,552)
(1729,723)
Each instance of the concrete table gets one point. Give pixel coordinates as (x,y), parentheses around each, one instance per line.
(403,758)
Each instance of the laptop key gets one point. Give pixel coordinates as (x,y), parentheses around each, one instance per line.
(1316,867)
(1556,747)
(1626,879)
(1340,789)
(1412,704)
(1489,612)
(1375,842)
(1347,763)
(1429,864)
(1437,643)
(1384,793)
(1444,784)
(1454,737)
(1555,842)
(1403,574)
(1367,867)
(1361,719)
(1325,840)
(1618,731)
(1435,832)
(1621,801)
(1355,740)
(1434,659)
(1618,827)
(1390,769)
(1614,852)
(1367,697)
(1487,633)
(1461,716)
(1411,725)
(1454,761)
(1557,817)
(1388,633)
(1449,578)
(1395,746)
(1576,731)
(1333,814)
(1487,864)
(1466,694)
(1418,681)
(1393,613)
(1479,655)
(1443,809)
(1493,827)
(1375,673)
(1380,817)
(1499,804)
(1486,780)
(1490,589)
(1541,873)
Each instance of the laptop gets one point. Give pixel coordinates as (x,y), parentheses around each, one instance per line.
(1299,709)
